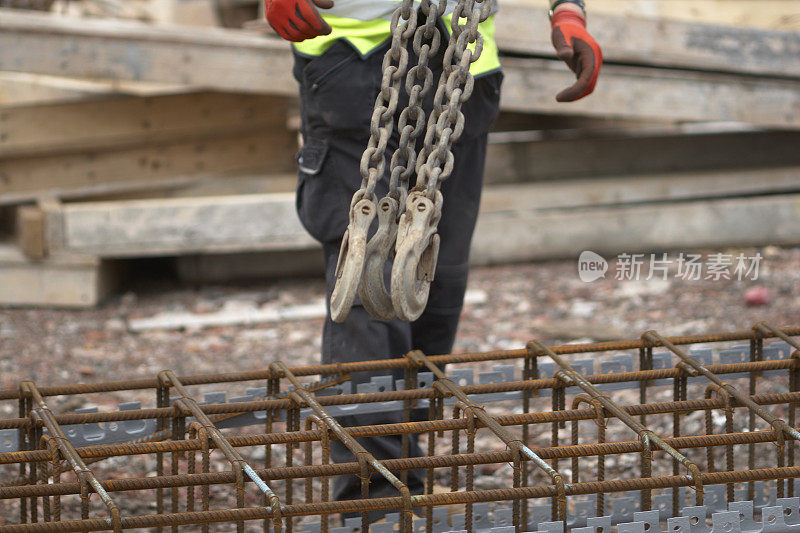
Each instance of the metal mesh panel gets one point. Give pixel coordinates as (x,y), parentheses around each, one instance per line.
(694,434)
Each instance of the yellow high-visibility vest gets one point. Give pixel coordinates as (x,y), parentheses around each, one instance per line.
(365,24)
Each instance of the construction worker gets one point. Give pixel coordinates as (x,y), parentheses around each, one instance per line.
(339,50)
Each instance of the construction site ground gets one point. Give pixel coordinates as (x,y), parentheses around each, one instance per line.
(150,326)
(158,324)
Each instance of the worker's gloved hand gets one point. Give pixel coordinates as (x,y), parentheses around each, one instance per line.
(577,49)
(298,20)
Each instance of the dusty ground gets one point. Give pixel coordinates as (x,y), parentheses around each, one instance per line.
(542,300)
(512,304)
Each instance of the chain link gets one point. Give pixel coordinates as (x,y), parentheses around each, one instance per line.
(419,82)
(407,223)
(353,256)
(395,65)
(446,123)
(417,247)
(411,125)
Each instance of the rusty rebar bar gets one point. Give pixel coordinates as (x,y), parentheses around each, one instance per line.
(240,466)
(86,478)
(424,500)
(447,387)
(402,464)
(341,369)
(365,459)
(45,453)
(377,397)
(113,450)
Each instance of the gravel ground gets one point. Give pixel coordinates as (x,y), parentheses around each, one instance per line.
(510,305)
(541,300)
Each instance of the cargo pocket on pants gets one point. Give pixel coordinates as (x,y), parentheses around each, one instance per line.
(318,200)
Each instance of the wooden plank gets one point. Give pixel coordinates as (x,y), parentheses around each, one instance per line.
(19,88)
(763,14)
(64,281)
(236,61)
(268,222)
(127,121)
(509,121)
(31,232)
(655,41)
(183,187)
(526,235)
(22,88)
(557,193)
(654,94)
(113,190)
(234,185)
(643,189)
(214,58)
(766,14)
(184,225)
(263,152)
(544,155)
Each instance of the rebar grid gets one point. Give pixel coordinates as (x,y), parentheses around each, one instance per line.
(56,485)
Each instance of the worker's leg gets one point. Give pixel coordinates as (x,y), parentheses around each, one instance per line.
(334,140)
(361,337)
(434,332)
(335,118)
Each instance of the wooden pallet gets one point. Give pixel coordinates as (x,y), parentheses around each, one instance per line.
(80,201)
(524,222)
(186,147)
(59,281)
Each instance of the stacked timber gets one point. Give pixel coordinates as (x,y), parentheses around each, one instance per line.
(180,142)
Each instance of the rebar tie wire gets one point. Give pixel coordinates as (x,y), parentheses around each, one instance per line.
(446,386)
(238,463)
(570,377)
(365,459)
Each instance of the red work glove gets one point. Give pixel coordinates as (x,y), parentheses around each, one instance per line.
(298,20)
(577,49)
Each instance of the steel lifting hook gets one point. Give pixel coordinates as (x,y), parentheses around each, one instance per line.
(372,289)
(416,255)
(350,265)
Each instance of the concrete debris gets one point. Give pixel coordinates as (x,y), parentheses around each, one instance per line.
(238,313)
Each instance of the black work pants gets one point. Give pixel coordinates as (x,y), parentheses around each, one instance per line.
(337,94)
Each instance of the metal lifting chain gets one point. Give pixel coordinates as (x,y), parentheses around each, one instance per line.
(411,126)
(407,223)
(352,254)
(417,247)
